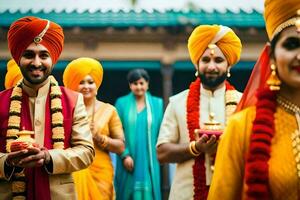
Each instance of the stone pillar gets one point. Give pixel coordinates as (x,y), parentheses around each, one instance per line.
(167,75)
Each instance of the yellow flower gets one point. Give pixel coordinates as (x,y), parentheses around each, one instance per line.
(58,145)
(58,133)
(56,103)
(15,105)
(57,118)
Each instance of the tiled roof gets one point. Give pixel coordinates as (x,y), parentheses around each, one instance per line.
(125,5)
(122,19)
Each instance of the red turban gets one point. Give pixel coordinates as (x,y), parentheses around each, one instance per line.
(23,32)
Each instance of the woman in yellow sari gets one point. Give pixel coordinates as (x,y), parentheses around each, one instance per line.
(96,182)
(259,153)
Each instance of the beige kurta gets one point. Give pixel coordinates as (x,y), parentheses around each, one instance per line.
(78,156)
(174,130)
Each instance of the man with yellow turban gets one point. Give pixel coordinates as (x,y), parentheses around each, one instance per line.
(13,74)
(213,49)
(96,182)
(259,155)
(55,117)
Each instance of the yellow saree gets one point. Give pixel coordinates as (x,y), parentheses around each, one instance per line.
(228,184)
(96,182)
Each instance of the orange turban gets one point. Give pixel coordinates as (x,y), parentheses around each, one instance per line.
(23,32)
(222,36)
(13,75)
(277,13)
(80,68)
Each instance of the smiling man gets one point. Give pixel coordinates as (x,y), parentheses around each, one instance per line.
(213,51)
(55,114)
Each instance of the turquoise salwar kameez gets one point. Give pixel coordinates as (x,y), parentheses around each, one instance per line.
(141,132)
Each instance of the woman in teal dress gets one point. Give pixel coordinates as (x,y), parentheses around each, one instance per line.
(138,171)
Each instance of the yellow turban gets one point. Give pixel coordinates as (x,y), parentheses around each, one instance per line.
(203,35)
(78,69)
(277,13)
(13,75)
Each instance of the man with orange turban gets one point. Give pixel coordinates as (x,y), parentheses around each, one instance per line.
(213,49)
(13,74)
(54,116)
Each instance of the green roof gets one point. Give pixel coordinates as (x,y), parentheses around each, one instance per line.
(122,19)
(146,64)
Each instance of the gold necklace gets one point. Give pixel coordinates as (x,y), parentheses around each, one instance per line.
(288,105)
(292,108)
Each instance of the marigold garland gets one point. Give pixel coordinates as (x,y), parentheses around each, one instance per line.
(14,121)
(193,122)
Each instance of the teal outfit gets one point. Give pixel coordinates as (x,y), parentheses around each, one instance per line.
(141,132)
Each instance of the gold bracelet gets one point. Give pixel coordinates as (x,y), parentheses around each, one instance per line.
(191,149)
(195,150)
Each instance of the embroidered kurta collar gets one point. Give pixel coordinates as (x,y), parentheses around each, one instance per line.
(216,93)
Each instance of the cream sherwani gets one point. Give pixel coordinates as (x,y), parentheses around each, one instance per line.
(174,130)
(78,156)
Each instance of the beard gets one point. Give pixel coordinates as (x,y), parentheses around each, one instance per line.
(38,79)
(212,82)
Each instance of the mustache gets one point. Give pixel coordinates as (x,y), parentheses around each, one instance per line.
(33,67)
(211,72)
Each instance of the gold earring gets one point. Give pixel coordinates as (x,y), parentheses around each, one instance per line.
(273,80)
(228,73)
(196,73)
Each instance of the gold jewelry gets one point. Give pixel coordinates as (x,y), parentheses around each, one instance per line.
(290,22)
(296,144)
(212,47)
(287,105)
(194,148)
(40,36)
(191,146)
(273,80)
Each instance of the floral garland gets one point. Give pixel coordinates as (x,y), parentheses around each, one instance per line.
(14,121)
(257,168)
(193,118)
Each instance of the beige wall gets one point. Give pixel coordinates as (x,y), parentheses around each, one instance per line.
(132,44)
